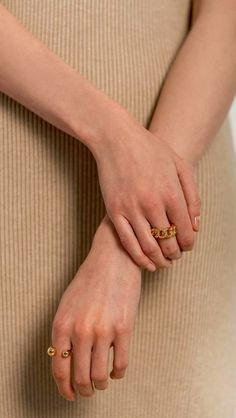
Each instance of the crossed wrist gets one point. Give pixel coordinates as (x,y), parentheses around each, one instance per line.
(92,116)
(105,123)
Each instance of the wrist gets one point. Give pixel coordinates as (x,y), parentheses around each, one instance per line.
(93,117)
(108,128)
(106,235)
(179,147)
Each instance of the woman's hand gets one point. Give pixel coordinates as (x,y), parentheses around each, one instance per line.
(138,174)
(146,183)
(97,310)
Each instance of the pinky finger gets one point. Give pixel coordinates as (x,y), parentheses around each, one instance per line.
(191,194)
(130,243)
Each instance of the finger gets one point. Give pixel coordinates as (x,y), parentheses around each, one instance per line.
(131,244)
(82,350)
(190,190)
(149,244)
(120,355)
(177,213)
(169,246)
(61,368)
(100,363)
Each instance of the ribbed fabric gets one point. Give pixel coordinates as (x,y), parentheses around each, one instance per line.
(182,361)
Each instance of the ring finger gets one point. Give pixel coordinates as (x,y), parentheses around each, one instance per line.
(169,246)
(150,246)
(100,363)
(81,365)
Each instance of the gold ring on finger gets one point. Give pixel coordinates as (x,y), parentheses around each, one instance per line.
(167,232)
(52,351)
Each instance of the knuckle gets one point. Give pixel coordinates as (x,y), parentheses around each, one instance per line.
(151,205)
(121,365)
(60,326)
(82,382)
(196,203)
(122,328)
(188,242)
(124,238)
(59,375)
(163,262)
(172,252)
(150,249)
(99,377)
(114,208)
(172,198)
(102,331)
(81,331)
(169,248)
(141,260)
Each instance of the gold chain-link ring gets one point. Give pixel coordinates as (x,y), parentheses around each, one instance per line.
(51,351)
(168,232)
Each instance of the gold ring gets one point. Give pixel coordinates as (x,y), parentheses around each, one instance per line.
(168,232)
(66,353)
(51,351)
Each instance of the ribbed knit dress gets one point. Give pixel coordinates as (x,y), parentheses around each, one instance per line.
(182,358)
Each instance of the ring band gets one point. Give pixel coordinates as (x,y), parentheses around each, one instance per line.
(168,232)
(51,352)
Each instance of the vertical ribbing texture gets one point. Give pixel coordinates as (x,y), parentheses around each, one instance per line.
(182,360)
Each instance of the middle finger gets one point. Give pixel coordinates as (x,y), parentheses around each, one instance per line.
(169,246)
(150,246)
(100,363)
(82,350)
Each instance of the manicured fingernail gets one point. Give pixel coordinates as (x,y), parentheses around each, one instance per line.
(71,399)
(197,221)
(151,267)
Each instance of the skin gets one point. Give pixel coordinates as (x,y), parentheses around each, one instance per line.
(97,311)
(78,315)
(201,83)
(155,200)
(121,146)
(208,17)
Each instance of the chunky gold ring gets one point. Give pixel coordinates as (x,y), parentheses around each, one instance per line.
(168,232)
(51,351)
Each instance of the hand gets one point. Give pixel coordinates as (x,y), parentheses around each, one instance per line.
(96,311)
(145,183)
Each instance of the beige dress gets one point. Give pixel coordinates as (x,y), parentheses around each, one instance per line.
(182,361)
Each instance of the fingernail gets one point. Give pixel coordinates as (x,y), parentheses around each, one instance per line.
(197,221)
(151,267)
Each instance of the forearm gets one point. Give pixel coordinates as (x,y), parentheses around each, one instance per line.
(200,85)
(36,77)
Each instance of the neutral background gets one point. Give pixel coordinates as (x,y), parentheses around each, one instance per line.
(233,121)
(232,114)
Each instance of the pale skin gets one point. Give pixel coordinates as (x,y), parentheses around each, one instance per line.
(167,122)
(122,147)
(184,130)
(97,310)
